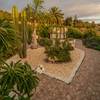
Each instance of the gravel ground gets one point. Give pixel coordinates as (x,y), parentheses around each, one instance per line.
(85,85)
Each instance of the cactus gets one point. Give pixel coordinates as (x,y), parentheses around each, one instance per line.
(23,52)
(15,16)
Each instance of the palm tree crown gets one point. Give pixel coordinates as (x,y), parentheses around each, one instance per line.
(54,11)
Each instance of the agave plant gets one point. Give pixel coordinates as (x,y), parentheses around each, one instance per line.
(19,79)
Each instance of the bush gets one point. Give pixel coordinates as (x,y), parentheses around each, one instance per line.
(44,32)
(19,79)
(58,52)
(90,39)
(89,33)
(6,54)
(92,42)
(74,33)
(45,42)
(67,45)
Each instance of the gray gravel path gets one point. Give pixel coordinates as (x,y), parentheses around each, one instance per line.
(85,85)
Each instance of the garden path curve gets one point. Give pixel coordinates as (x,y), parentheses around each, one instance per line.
(85,85)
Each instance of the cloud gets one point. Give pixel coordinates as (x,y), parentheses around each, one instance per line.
(82,8)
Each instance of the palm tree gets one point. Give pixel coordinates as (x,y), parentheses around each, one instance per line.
(54,11)
(29,12)
(8,36)
(18,78)
(48,18)
(37,6)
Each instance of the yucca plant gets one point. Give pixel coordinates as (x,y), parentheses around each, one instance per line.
(17,79)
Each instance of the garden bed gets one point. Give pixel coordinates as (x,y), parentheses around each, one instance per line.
(62,71)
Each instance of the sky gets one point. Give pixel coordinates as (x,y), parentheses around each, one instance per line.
(84,9)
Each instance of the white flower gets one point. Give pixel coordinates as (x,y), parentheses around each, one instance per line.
(39,69)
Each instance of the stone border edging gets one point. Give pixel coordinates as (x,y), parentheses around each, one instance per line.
(69,80)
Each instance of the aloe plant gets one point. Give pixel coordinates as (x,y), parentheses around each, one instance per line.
(17,79)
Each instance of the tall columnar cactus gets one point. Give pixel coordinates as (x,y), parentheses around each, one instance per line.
(15,15)
(24,34)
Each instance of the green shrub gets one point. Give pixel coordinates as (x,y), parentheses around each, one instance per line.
(6,54)
(18,78)
(67,45)
(58,52)
(92,42)
(90,39)
(89,33)
(10,41)
(44,32)
(45,42)
(74,33)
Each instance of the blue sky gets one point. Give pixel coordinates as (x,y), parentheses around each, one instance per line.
(85,9)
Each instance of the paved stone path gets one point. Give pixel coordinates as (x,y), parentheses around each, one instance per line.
(85,85)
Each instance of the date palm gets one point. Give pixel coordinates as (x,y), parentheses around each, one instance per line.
(37,6)
(57,13)
(29,12)
(48,18)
